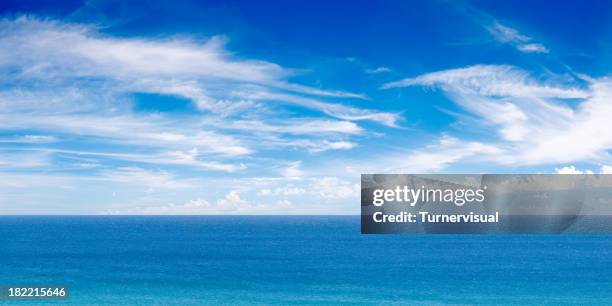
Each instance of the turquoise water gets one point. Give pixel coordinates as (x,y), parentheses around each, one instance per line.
(309,260)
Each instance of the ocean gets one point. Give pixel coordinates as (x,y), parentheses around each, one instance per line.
(194,260)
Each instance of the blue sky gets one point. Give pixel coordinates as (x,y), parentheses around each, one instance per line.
(223,107)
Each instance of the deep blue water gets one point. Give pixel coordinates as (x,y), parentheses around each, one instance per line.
(309,260)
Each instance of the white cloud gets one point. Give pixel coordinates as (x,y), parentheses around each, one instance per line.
(318,92)
(231,203)
(605,169)
(78,50)
(521,42)
(76,83)
(340,111)
(378,70)
(333,188)
(264,192)
(315,146)
(571,170)
(180,66)
(288,190)
(145,131)
(490,81)
(533,48)
(298,126)
(23,160)
(435,157)
(536,123)
(503,95)
(293,170)
(506,34)
(71,86)
(146,178)
(197,206)
(333,145)
(583,135)
(29,139)
(19,180)
(182,158)
(80,85)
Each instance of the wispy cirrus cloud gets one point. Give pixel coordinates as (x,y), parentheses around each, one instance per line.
(176,65)
(378,70)
(532,48)
(70,118)
(150,179)
(298,126)
(339,111)
(539,122)
(71,50)
(491,81)
(437,156)
(28,139)
(513,37)
(502,33)
(77,82)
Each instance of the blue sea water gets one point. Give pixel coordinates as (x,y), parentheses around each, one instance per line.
(308,260)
